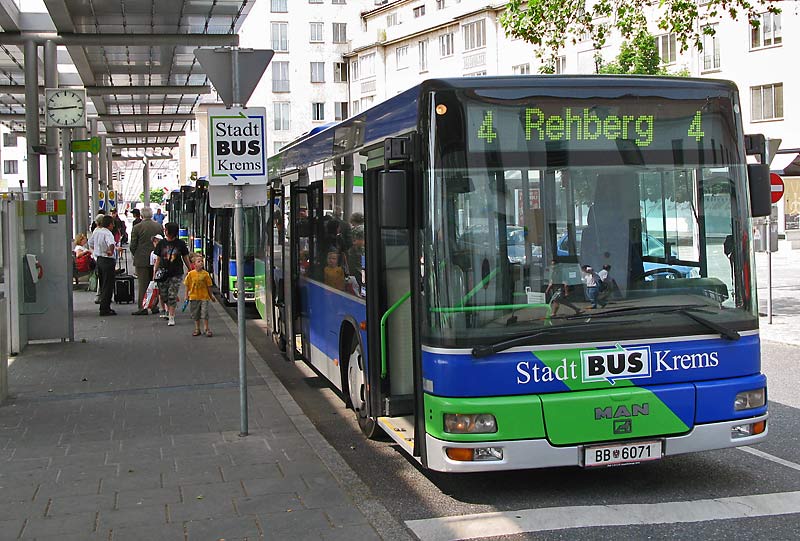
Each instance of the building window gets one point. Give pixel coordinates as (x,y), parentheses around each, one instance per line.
(667,47)
(318,72)
(278,6)
(340,72)
(767,102)
(316,31)
(340,32)
(419,11)
(314,1)
(340,110)
(280,37)
(192,125)
(338,2)
(768,33)
(711,50)
(10,167)
(280,115)
(474,35)
(561,65)
(367,102)
(367,65)
(354,70)
(280,77)
(423,55)
(392,20)
(317,111)
(440,4)
(356,107)
(401,57)
(521,69)
(277,146)
(9,139)
(446,44)
(193,150)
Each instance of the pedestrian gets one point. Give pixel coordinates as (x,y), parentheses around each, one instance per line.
(96,221)
(121,228)
(591,286)
(137,217)
(158,216)
(164,313)
(557,291)
(198,291)
(141,247)
(103,246)
(172,254)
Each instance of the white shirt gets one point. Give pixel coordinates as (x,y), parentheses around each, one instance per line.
(102,240)
(590,278)
(603,274)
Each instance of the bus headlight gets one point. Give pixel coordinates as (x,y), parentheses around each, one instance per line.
(474,423)
(750,399)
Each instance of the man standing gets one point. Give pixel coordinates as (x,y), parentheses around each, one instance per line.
(158,217)
(141,247)
(102,246)
(137,217)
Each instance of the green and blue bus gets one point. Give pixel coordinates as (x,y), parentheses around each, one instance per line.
(466,317)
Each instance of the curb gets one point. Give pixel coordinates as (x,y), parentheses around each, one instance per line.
(385,525)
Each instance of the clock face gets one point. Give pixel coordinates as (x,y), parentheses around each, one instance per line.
(65,108)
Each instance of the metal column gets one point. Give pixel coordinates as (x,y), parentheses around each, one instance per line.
(95,175)
(146,181)
(80,204)
(104,147)
(66,135)
(103,169)
(51,134)
(31,60)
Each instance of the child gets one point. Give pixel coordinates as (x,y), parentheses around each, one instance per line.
(198,291)
(334,274)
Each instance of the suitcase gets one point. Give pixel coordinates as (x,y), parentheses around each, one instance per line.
(123,282)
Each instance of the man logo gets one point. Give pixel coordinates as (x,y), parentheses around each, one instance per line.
(613,364)
(623,426)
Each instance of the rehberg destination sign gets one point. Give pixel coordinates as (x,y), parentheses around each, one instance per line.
(237,142)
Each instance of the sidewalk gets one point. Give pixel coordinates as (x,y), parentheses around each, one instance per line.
(131,432)
(785,325)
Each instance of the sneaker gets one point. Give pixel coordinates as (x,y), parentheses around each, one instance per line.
(171,322)
(154,310)
(163,315)
(142,312)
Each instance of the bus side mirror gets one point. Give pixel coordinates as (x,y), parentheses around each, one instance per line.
(393,193)
(760,189)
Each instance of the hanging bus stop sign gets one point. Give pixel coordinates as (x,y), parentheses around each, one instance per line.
(776,187)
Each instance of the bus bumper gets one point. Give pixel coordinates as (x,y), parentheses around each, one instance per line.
(526,454)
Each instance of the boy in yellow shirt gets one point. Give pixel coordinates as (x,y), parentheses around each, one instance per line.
(198,291)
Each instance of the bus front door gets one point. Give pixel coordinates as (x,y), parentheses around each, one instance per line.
(274,304)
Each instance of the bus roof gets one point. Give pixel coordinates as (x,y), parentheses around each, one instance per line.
(399,114)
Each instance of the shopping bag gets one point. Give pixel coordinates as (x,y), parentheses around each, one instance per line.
(150,296)
(92,282)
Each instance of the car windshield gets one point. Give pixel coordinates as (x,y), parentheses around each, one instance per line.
(516,243)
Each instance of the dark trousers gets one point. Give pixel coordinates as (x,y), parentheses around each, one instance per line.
(105,275)
(143,277)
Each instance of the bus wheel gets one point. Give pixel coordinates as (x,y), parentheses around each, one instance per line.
(357,389)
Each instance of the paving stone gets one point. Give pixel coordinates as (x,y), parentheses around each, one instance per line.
(227,528)
(214,507)
(82,523)
(230,488)
(285,525)
(79,473)
(69,537)
(84,460)
(268,503)
(65,505)
(69,488)
(256,487)
(147,497)
(148,532)
(211,475)
(315,498)
(362,532)
(152,454)
(190,464)
(29,464)
(78,447)
(145,515)
(253,471)
(20,510)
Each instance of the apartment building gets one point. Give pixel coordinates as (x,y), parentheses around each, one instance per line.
(14,157)
(404,42)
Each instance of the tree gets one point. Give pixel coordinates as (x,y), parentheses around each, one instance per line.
(550,24)
(639,56)
(156,196)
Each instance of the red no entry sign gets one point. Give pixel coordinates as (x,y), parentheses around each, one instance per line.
(776,184)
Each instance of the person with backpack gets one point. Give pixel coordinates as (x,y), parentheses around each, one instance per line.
(172,254)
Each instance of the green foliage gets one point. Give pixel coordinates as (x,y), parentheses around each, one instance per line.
(549,25)
(639,56)
(156,196)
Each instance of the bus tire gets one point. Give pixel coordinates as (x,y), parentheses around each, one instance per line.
(357,390)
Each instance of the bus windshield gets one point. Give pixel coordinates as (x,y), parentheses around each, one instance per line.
(545,211)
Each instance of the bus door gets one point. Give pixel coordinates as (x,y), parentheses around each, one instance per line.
(274,304)
(390,370)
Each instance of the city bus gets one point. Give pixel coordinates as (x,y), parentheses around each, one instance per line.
(222,254)
(466,319)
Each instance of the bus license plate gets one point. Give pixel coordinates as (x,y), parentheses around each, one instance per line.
(628,453)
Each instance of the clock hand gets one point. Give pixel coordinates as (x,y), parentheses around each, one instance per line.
(65,107)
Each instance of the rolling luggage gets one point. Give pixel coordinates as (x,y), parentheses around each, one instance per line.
(123,282)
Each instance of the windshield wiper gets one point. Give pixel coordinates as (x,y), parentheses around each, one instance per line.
(490,349)
(688,310)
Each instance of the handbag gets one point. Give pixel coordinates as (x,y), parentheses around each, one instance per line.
(92,282)
(150,299)
(160,275)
